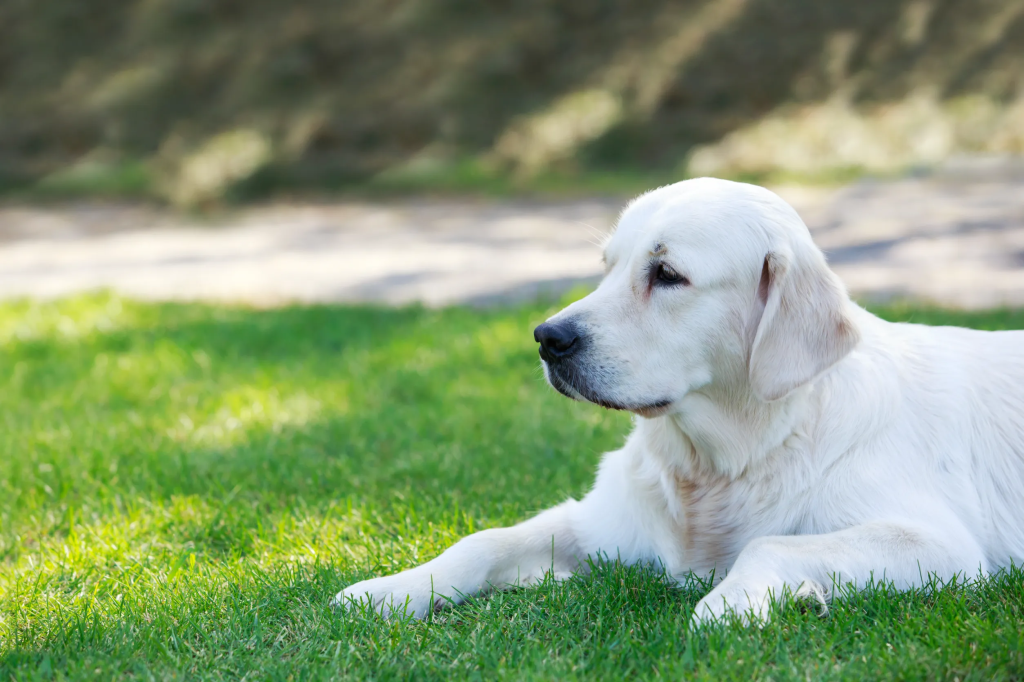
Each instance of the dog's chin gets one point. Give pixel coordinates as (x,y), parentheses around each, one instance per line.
(656,409)
(584,393)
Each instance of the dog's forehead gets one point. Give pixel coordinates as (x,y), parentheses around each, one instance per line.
(697,216)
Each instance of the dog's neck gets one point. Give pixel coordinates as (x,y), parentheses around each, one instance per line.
(723,430)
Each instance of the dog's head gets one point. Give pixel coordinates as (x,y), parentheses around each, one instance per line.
(707,281)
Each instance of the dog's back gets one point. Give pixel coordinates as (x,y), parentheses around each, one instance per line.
(951,401)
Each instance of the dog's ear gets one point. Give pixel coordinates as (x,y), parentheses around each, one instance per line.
(805,327)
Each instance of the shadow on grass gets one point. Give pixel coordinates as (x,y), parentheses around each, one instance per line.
(176,529)
(627,619)
(249,412)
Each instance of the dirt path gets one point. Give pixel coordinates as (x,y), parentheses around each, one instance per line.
(956,241)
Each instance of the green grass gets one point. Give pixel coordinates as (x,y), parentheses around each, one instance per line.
(184,487)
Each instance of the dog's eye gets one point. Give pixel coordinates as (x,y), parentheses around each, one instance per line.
(666,275)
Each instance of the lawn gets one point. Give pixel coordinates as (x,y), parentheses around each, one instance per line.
(183,488)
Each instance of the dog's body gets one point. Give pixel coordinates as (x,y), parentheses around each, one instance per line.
(785,435)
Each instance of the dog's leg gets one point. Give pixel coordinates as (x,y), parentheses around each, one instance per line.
(491,559)
(809,565)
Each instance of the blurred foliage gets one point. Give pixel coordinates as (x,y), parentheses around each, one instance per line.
(197,99)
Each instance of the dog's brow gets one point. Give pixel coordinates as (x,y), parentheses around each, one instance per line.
(658,249)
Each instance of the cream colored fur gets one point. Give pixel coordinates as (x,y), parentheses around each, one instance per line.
(785,438)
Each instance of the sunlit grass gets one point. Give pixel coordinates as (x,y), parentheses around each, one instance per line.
(184,487)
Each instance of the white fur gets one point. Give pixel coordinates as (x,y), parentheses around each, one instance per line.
(804,440)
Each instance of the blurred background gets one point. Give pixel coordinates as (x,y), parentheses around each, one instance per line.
(190,468)
(444,151)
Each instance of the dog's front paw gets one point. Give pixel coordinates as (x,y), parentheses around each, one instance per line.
(748,601)
(395,595)
(751,600)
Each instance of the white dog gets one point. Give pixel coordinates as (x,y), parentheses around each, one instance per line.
(785,437)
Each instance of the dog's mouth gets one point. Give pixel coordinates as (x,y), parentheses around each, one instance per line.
(577,389)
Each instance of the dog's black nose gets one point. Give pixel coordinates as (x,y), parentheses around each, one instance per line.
(556,341)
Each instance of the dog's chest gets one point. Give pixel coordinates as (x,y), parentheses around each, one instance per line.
(708,518)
